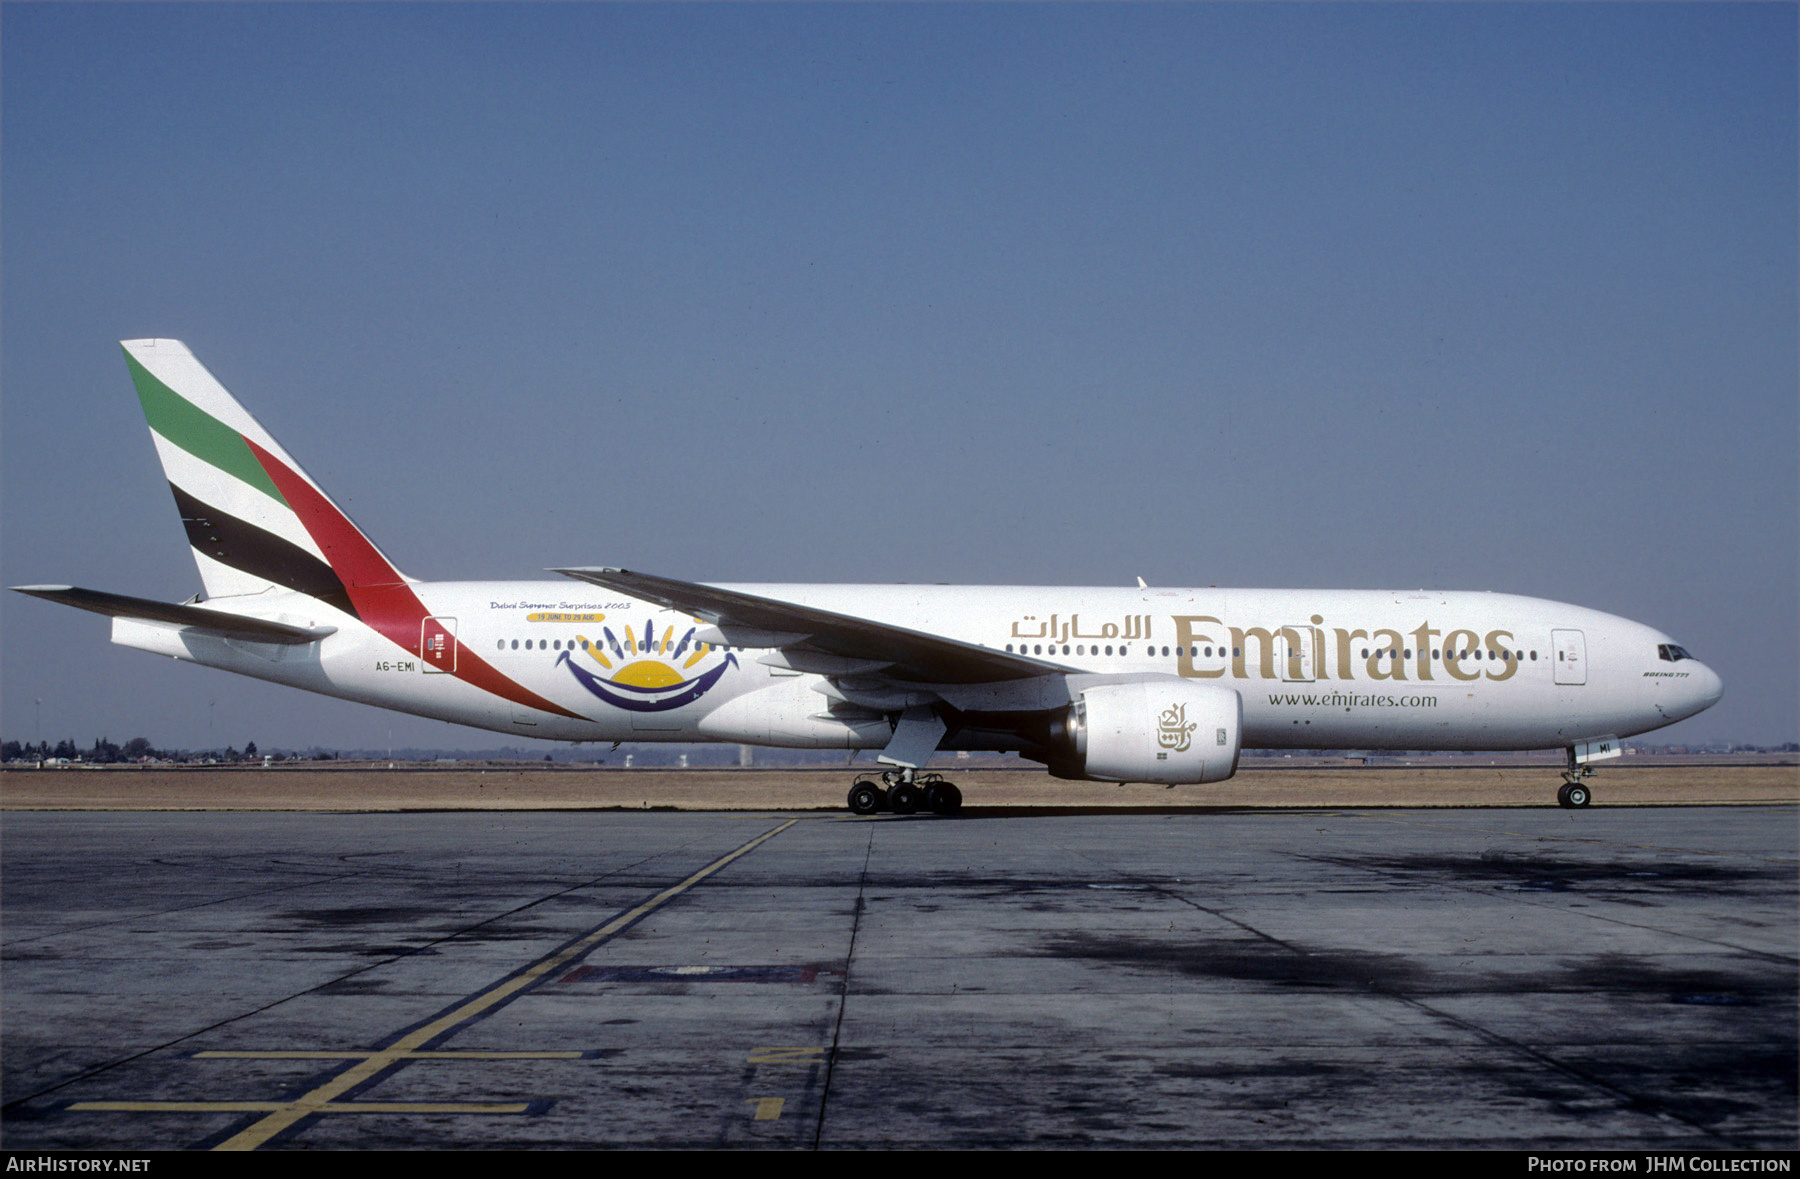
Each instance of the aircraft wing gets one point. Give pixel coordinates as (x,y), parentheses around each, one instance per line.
(216,622)
(864,647)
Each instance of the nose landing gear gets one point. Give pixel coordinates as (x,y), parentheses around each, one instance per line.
(1573,794)
(904,791)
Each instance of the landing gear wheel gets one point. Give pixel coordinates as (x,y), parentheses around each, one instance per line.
(1573,794)
(904,799)
(943,798)
(865,798)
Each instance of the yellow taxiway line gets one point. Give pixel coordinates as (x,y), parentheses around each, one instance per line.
(325,1099)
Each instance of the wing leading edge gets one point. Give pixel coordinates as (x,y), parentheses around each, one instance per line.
(893,653)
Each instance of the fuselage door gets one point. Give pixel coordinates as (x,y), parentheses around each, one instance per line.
(1294,648)
(1571,656)
(437,645)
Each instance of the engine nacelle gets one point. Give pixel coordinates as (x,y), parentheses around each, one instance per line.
(1158,729)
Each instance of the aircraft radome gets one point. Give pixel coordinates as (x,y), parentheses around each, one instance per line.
(1116,684)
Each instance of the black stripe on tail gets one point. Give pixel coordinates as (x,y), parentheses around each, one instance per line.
(245,547)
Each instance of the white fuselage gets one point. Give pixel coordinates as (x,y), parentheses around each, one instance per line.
(1314,668)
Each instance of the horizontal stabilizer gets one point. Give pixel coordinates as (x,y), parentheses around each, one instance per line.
(230,626)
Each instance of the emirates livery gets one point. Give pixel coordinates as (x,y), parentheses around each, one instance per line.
(1109,684)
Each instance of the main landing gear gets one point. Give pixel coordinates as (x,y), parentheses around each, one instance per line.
(904,791)
(1573,794)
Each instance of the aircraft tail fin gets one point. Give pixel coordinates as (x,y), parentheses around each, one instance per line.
(256,521)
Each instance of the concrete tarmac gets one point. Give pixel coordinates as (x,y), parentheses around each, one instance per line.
(1262,782)
(1611,979)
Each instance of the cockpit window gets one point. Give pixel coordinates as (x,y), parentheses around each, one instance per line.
(1670,653)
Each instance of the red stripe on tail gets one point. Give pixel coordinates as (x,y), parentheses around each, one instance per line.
(382,598)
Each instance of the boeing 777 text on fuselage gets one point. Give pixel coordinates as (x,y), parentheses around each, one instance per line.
(1109,684)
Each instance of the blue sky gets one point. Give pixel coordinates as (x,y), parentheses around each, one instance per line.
(1464,296)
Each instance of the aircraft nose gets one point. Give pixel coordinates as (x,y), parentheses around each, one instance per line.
(1698,689)
(1707,689)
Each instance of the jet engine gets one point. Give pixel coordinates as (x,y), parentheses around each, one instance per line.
(1155,729)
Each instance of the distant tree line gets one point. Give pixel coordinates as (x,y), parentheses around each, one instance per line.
(105,752)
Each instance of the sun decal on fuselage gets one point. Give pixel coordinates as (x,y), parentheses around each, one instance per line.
(648,674)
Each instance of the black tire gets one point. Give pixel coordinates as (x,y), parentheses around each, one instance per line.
(1562,796)
(904,799)
(1579,795)
(865,798)
(943,798)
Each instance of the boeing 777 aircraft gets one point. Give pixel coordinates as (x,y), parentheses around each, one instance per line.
(1108,684)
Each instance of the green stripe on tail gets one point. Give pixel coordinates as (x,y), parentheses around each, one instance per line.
(198,432)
